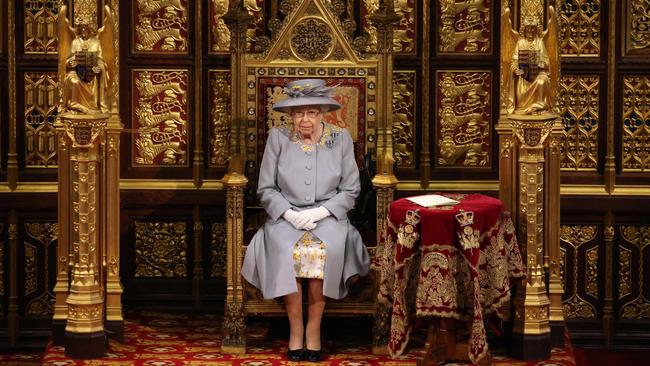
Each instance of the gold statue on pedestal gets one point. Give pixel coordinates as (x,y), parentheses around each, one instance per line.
(88,290)
(534,63)
(86,64)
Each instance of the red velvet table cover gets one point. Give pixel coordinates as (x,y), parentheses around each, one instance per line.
(449,261)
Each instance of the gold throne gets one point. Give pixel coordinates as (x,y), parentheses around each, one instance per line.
(311,42)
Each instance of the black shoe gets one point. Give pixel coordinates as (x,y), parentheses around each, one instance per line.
(313,356)
(295,354)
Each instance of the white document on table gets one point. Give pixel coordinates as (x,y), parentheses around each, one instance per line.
(432,200)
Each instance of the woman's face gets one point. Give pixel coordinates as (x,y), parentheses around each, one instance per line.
(306,119)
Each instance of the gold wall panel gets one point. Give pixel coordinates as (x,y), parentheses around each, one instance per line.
(160,115)
(40,26)
(40,236)
(40,114)
(219,32)
(404,103)
(404,34)
(160,26)
(636,130)
(464,106)
(573,237)
(579,105)
(465,27)
(637,27)
(160,249)
(220,115)
(218,246)
(579,27)
(636,239)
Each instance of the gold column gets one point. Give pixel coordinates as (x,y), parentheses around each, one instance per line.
(84,331)
(384,19)
(234,328)
(551,258)
(197,159)
(532,333)
(111,181)
(610,157)
(12,155)
(111,262)
(425,154)
(63,247)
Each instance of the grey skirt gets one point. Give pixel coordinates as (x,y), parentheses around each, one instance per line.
(269,263)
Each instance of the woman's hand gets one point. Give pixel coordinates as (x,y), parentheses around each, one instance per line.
(299,220)
(316,214)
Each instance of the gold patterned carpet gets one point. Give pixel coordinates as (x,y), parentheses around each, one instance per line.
(157,339)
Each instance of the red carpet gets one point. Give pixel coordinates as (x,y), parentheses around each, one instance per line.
(598,357)
(155,339)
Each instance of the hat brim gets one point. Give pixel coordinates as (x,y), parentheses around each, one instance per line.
(326,103)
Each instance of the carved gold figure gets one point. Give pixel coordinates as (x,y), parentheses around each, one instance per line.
(86,65)
(534,62)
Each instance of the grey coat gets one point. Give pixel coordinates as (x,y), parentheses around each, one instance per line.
(293,178)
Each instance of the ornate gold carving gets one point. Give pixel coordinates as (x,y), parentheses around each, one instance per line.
(312,40)
(404,33)
(220,32)
(40,26)
(624,272)
(218,250)
(161,26)
(234,326)
(220,116)
(464,110)
(574,237)
(40,235)
(579,27)
(161,117)
(40,115)
(638,25)
(465,26)
(579,105)
(636,132)
(578,235)
(31,280)
(85,312)
(639,238)
(160,249)
(578,309)
(591,272)
(404,101)
(85,12)
(563,268)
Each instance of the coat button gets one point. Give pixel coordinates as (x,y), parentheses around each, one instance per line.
(307,198)
(307,182)
(308,152)
(308,167)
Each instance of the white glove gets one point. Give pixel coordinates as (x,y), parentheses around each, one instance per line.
(315,214)
(300,222)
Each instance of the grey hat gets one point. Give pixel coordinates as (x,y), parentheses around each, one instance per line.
(307,92)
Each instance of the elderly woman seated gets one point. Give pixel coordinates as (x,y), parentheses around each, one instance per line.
(308,182)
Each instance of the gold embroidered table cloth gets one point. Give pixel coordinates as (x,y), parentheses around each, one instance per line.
(447,261)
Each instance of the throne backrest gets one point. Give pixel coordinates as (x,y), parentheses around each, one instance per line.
(310,43)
